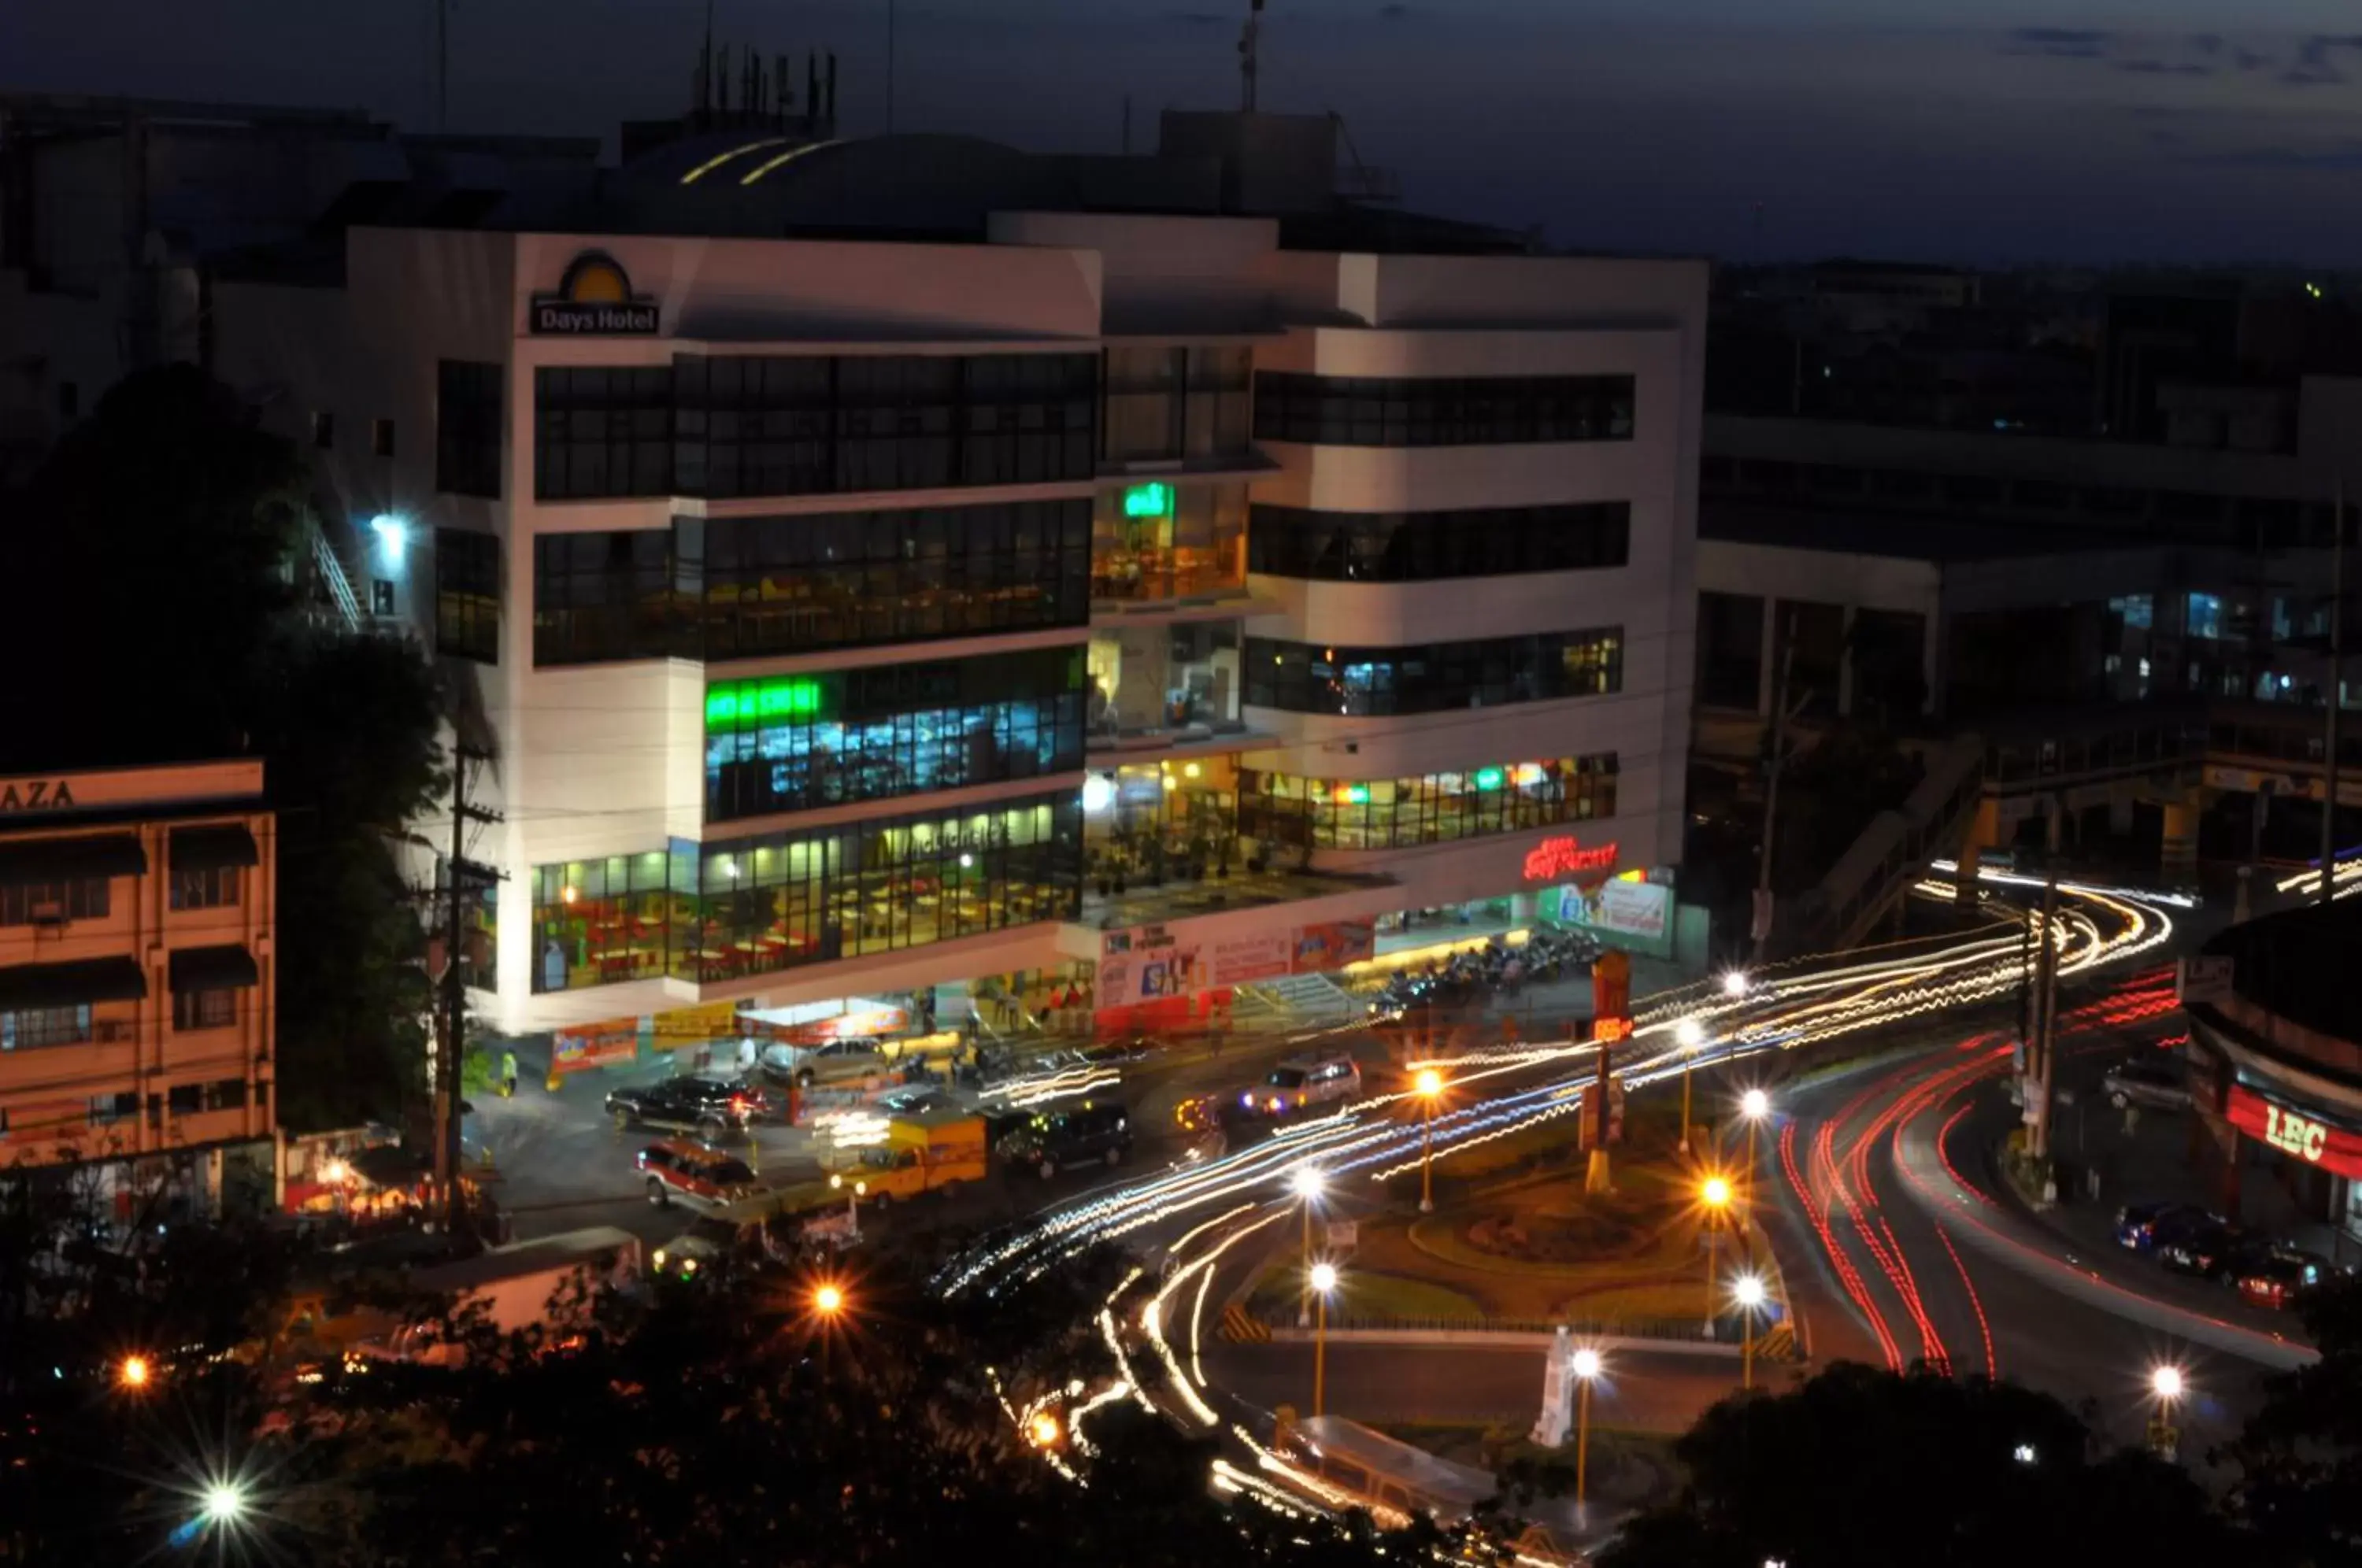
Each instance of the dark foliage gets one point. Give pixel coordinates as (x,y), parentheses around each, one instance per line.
(1863,1468)
(157,553)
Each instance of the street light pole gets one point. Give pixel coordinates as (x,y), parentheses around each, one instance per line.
(1323,1280)
(1747,1289)
(1715,1196)
(1586,1368)
(1430,1085)
(2337,695)
(1308,1184)
(1689,1034)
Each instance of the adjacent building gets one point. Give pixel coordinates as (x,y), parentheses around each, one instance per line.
(137,908)
(878,565)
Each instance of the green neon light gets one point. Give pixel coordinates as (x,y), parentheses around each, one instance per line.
(1488,778)
(791,699)
(1148,501)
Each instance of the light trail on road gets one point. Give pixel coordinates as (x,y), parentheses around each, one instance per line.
(1235,1195)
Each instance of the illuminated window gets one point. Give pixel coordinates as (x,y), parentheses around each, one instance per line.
(1391,814)
(1299,678)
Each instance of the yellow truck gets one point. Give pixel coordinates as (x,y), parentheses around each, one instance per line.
(925,1151)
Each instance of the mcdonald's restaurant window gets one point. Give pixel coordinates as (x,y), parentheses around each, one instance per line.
(468,595)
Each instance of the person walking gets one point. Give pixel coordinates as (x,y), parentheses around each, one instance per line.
(508,1074)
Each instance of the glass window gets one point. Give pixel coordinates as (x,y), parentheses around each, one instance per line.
(1297,678)
(794,742)
(725,911)
(603,431)
(1159,540)
(29,1029)
(32,903)
(812,425)
(226,1094)
(214,888)
(467,428)
(1389,814)
(468,595)
(205,1009)
(2206,615)
(1474,411)
(1413,546)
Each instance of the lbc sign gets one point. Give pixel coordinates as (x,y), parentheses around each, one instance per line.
(2294,1134)
(595,300)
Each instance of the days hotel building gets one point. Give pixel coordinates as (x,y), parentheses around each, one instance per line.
(884,564)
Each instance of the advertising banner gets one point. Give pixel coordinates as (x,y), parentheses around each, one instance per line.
(2293,1132)
(1333,944)
(1642,911)
(1243,960)
(594,1045)
(695,1025)
(1145,964)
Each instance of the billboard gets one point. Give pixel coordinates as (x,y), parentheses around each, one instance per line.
(1243,960)
(1333,944)
(594,1045)
(1640,910)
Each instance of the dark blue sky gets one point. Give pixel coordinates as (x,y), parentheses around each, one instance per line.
(2124,129)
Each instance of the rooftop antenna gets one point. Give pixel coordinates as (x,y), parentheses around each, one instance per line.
(705,67)
(1127,124)
(1248,37)
(889,67)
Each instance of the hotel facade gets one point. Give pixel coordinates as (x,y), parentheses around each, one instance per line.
(137,1025)
(1156,601)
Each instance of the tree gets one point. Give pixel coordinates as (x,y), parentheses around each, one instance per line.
(162,543)
(2299,1455)
(1864,1466)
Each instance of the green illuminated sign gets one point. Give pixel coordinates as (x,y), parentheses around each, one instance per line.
(796,698)
(1148,501)
(1488,778)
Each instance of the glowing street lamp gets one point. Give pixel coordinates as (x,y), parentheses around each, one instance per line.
(223,1503)
(1308,1184)
(2168,1384)
(1323,1280)
(1431,1089)
(134,1373)
(1748,1292)
(1689,1034)
(1044,1430)
(828,1300)
(1755,1106)
(1587,1368)
(1715,1193)
(1734,984)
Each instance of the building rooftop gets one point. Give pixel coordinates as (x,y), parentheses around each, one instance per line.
(1895,535)
(2295,964)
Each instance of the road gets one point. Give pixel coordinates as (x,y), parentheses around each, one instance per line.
(1901,1246)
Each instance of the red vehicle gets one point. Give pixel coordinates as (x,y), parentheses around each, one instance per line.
(695,1177)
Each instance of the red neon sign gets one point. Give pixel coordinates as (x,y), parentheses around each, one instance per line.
(2293,1134)
(1564,855)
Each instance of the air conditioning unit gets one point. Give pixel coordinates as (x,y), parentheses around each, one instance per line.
(50,913)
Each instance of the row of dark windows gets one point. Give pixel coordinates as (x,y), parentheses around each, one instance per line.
(738,587)
(814,424)
(1431,411)
(467,428)
(91,897)
(468,595)
(1421,547)
(795,743)
(1303,677)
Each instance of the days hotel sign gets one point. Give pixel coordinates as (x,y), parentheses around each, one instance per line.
(595,300)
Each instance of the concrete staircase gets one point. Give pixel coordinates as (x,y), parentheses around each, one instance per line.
(1314,999)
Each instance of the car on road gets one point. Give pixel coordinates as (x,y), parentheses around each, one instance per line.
(2153,1081)
(1301,1082)
(1065,1135)
(914,1101)
(2197,1242)
(832,1062)
(2136,1223)
(713,1109)
(693,1175)
(2272,1275)
(1118,1053)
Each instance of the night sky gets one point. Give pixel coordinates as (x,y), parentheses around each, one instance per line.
(2120,129)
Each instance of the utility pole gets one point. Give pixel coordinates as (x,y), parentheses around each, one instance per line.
(2337,695)
(462,875)
(1762,921)
(2045,1007)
